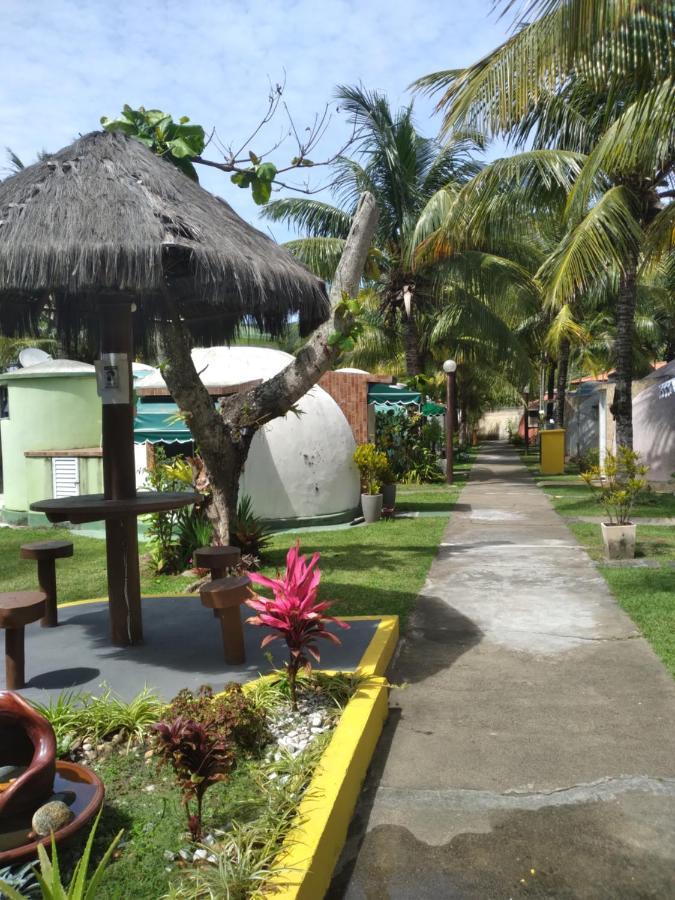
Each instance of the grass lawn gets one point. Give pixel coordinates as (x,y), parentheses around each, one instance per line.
(571,497)
(646,594)
(370,570)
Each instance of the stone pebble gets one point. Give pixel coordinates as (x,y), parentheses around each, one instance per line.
(51,817)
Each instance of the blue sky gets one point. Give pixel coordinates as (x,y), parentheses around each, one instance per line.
(65,63)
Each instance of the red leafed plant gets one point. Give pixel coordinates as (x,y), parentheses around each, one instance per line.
(294,613)
(199,759)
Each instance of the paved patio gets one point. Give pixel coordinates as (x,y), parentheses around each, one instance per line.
(532,751)
(182,648)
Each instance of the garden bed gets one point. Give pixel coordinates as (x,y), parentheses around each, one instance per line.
(274,826)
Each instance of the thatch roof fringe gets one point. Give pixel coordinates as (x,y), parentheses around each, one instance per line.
(108,215)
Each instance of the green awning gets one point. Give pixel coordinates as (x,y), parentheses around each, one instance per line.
(432,409)
(390,394)
(160,423)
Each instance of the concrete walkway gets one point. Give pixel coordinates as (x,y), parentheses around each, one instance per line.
(531,752)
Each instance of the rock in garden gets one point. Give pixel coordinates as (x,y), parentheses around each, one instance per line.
(51,817)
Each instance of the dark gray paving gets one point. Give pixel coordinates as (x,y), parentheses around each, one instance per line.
(182,648)
(532,751)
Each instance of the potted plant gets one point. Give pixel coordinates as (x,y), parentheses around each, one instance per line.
(388,487)
(372,464)
(618,482)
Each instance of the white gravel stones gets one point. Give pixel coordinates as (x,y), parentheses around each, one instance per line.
(293,731)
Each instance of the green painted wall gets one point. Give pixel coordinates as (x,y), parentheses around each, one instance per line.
(55,413)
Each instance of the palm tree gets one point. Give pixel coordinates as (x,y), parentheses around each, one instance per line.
(404,171)
(595,78)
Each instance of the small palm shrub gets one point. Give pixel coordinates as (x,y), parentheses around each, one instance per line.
(618,483)
(248,531)
(373,466)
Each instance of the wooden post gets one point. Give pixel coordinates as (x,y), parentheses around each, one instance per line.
(46,573)
(119,480)
(15,678)
(233,635)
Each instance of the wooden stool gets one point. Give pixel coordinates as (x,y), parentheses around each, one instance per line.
(18,609)
(224,596)
(46,553)
(218,559)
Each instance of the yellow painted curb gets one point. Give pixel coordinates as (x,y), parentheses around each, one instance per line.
(311,849)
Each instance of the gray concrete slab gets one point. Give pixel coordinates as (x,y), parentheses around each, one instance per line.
(182,648)
(531,750)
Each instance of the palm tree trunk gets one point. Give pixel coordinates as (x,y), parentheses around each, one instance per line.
(563,366)
(622,407)
(413,362)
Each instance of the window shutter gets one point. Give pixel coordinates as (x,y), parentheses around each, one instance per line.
(65,476)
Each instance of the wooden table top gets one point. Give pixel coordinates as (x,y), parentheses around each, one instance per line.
(95,507)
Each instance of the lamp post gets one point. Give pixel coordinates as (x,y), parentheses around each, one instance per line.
(449,367)
(526,393)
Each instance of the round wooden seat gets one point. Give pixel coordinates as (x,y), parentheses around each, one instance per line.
(225,592)
(224,596)
(47,550)
(46,553)
(18,609)
(217,559)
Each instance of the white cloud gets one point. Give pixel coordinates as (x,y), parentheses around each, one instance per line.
(64,63)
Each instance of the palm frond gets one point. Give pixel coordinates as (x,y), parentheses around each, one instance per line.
(603,41)
(320,254)
(599,245)
(313,217)
(564,327)
(640,142)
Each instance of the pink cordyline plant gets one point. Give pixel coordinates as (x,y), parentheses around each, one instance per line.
(294,613)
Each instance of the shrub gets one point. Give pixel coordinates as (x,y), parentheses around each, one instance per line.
(248,531)
(294,614)
(200,737)
(373,466)
(618,483)
(81,716)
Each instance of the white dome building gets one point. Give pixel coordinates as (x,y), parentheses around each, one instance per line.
(300,466)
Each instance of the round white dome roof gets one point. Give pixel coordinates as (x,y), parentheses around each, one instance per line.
(299,465)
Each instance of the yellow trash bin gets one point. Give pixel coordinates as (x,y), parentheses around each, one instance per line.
(552,446)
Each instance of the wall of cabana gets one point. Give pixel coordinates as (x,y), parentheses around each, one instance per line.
(51,436)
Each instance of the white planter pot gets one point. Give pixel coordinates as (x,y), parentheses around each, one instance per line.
(619,541)
(371,504)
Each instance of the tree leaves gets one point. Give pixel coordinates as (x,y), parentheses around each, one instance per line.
(259,178)
(178,142)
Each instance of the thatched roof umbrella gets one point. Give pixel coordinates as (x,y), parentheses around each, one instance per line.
(104,227)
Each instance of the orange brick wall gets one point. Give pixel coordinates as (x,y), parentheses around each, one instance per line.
(350,392)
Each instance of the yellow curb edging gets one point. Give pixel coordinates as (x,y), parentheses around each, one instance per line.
(311,849)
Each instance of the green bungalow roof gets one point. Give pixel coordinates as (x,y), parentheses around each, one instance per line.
(160,423)
(389,393)
(432,409)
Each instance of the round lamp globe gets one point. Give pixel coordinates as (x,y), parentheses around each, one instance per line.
(449,366)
